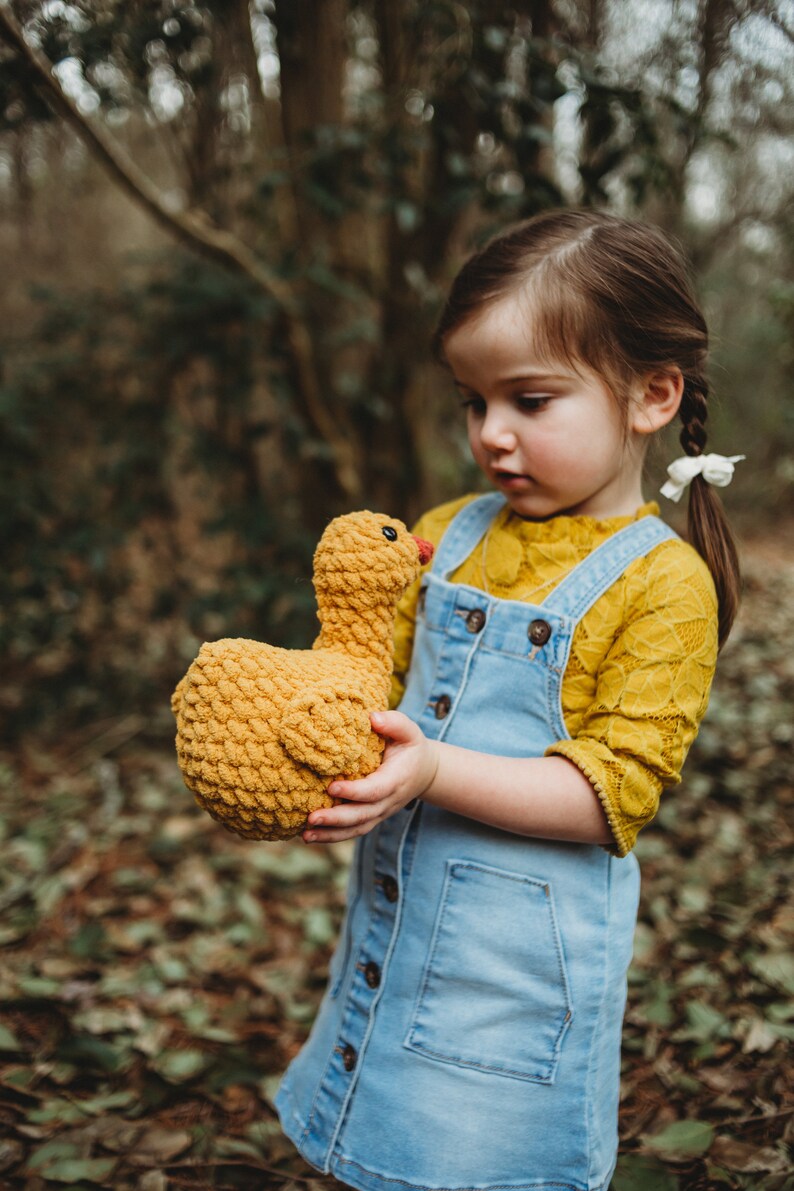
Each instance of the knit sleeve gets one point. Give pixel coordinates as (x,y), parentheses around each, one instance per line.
(651,691)
(431,526)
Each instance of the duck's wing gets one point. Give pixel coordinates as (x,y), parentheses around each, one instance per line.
(325,729)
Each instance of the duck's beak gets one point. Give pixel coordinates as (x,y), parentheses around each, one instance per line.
(425,549)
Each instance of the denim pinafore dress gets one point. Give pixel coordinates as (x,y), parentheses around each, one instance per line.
(470,1033)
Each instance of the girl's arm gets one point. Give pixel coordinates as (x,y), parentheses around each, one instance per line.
(534,796)
(626,745)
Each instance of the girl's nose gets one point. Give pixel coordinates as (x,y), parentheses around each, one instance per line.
(496,433)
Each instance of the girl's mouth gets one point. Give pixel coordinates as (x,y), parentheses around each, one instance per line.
(510,479)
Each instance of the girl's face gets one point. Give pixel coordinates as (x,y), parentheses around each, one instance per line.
(547,435)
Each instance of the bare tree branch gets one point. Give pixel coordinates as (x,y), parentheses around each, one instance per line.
(195,229)
(777,21)
(192,227)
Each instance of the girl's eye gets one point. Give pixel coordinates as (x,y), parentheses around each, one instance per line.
(530,403)
(474,405)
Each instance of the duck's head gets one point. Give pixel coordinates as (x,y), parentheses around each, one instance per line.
(368,558)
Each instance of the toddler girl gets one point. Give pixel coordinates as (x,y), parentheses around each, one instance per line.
(552,666)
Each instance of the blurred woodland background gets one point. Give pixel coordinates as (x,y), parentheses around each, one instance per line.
(225,232)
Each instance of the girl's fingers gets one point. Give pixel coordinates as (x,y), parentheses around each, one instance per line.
(346,814)
(398,729)
(334,836)
(361,790)
(345,821)
(395,726)
(371,788)
(367,800)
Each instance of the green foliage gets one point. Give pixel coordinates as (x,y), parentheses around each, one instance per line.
(119,49)
(19,103)
(94,438)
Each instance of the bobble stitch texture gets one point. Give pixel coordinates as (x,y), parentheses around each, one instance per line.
(262,731)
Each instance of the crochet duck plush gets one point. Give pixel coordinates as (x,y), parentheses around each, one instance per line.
(262,731)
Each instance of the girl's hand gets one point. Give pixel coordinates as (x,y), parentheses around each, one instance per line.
(407,770)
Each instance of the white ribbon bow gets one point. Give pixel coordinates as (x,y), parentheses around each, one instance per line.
(715,469)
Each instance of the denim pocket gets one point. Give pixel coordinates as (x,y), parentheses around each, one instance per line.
(494,993)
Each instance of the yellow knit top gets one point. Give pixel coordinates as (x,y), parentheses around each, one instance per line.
(642,658)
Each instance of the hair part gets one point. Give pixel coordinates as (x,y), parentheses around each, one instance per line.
(615,295)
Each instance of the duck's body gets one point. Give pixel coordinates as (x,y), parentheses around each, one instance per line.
(262,731)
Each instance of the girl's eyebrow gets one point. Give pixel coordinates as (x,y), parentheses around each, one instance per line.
(515,380)
(538,374)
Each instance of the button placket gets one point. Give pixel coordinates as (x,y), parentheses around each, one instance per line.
(462,620)
(366,987)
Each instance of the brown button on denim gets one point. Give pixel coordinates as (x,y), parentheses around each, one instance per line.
(391,890)
(475,621)
(372,974)
(442,706)
(539,632)
(349,1057)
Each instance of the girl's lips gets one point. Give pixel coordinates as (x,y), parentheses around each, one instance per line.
(509,479)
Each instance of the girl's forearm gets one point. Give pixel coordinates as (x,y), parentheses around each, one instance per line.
(535,796)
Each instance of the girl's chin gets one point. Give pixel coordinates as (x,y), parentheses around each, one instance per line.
(531,507)
(531,504)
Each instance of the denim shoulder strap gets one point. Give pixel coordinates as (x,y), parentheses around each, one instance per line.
(582,586)
(464,531)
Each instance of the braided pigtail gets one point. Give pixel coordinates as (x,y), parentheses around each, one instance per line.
(707,524)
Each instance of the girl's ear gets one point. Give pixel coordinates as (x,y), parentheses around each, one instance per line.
(657,400)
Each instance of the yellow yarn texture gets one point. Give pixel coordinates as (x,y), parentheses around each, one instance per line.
(262,731)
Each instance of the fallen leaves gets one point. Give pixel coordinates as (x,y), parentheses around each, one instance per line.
(158,974)
(707,1070)
(681,1140)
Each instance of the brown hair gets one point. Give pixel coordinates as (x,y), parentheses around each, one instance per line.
(612,294)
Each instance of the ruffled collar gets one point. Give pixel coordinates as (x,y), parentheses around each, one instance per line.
(576,528)
(517,551)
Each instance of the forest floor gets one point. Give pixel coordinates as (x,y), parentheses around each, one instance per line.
(157,974)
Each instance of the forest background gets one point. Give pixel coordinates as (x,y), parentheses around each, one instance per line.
(226,229)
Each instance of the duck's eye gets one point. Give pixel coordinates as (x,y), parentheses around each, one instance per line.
(389,532)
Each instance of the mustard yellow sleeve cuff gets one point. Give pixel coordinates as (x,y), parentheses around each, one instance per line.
(627,791)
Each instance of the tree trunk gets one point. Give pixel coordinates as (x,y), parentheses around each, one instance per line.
(712,29)
(22,190)
(334,248)
(309,34)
